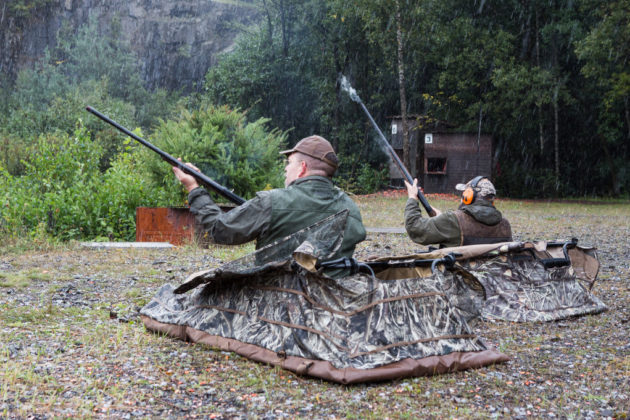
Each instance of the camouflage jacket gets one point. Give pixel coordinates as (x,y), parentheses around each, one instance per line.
(275,214)
(446,229)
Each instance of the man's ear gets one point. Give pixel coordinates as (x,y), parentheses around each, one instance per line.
(303,169)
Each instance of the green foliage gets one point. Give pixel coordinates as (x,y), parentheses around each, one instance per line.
(63,194)
(37,87)
(367,180)
(24,9)
(87,55)
(124,188)
(605,51)
(86,68)
(268,74)
(534,75)
(13,150)
(287,70)
(529,183)
(240,155)
(61,115)
(515,70)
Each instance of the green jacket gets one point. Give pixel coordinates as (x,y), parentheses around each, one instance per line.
(275,214)
(485,223)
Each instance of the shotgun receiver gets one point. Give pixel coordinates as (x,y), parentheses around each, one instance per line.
(353,95)
(201,178)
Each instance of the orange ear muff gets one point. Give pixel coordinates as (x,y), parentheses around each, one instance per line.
(468,196)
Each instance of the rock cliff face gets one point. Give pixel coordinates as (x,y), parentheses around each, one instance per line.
(175,40)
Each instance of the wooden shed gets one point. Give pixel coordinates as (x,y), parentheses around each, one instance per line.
(440,158)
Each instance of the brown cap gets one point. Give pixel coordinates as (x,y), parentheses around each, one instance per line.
(316,147)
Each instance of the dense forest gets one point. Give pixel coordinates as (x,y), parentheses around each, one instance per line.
(548,79)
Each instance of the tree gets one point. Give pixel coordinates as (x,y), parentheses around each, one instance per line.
(605,52)
(510,69)
(294,78)
(84,68)
(401,81)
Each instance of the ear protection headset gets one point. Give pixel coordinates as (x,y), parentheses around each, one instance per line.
(470,194)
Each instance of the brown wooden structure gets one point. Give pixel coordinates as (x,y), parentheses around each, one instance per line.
(440,158)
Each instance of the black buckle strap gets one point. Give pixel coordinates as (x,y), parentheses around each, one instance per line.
(560,262)
(447,260)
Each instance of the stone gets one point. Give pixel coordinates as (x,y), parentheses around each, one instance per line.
(176,41)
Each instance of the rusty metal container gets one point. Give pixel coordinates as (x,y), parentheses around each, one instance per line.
(166,224)
(175,225)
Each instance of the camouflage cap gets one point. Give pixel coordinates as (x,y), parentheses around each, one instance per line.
(316,147)
(484,187)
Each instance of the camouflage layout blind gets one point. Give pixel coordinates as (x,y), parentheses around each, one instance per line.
(351,329)
(407,319)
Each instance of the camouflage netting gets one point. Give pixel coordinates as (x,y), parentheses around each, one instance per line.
(274,306)
(515,281)
(406,317)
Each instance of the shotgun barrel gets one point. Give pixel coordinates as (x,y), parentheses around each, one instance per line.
(355,97)
(201,178)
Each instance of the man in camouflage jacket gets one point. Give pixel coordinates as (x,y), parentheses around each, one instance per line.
(308,197)
(478,222)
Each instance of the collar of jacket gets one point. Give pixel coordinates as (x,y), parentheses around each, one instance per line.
(311,178)
(483,211)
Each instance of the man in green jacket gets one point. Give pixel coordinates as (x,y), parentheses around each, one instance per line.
(476,221)
(308,197)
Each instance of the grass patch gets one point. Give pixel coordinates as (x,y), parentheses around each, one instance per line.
(33,242)
(41,318)
(25,316)
(230,253)
(23,278)
(383,211)
(134,293)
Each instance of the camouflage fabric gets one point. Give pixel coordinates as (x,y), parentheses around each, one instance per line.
(285,307)
(407,317)
(354,322)
(510,281)
(517,287)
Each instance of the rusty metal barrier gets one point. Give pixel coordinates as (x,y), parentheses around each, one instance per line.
(175,225)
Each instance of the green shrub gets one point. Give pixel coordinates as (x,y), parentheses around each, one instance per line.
(31,200)
(13,151)
(61,115)
(63,193)
(366,180)
(124,187)
(240,155)
(36,87)
(518,181)
(372,180)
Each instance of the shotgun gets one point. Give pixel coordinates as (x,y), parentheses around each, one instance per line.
(345,85)
(201,178)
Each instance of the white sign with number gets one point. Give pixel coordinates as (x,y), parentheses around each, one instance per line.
(394,129)
(428,138)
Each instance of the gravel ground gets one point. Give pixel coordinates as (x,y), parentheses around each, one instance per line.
(72,345)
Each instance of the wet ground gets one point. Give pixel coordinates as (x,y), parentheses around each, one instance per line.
(71,344)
